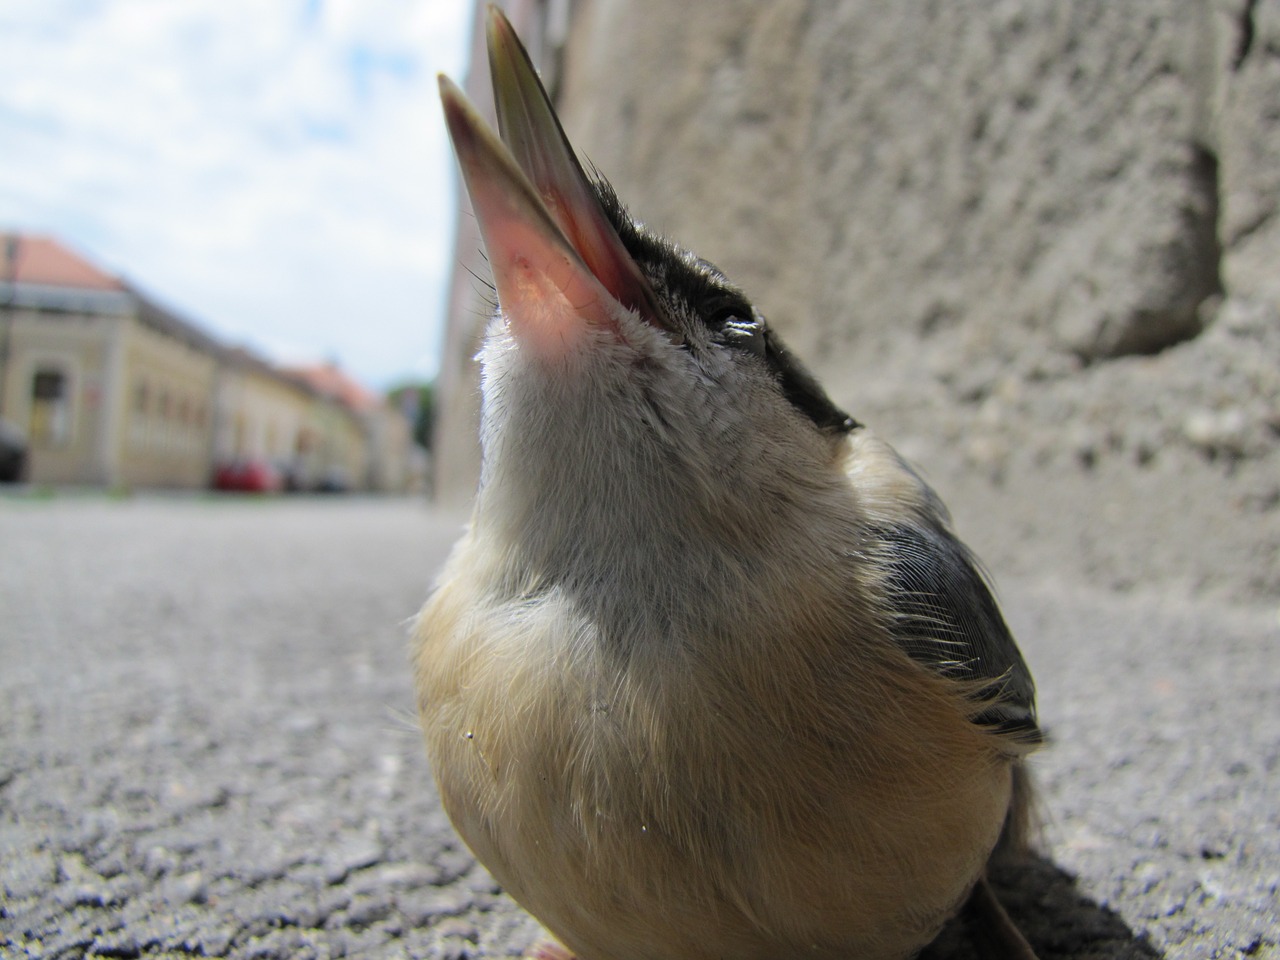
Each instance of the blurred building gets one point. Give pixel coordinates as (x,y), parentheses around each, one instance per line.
(109,388)
(376,438)
(112,389)
(265,414)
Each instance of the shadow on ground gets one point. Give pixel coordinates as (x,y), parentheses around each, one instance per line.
(1059,921)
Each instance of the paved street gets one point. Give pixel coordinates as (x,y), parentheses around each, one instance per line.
(207,747)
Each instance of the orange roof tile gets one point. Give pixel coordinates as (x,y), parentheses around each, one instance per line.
(328,379)
(42,260)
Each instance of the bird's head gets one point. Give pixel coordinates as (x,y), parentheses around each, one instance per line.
(627,385)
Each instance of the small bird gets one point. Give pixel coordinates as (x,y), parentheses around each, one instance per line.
(708,676)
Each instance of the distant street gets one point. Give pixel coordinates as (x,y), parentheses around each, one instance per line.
(207,747)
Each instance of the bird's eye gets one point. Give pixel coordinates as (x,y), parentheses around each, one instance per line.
(741,333)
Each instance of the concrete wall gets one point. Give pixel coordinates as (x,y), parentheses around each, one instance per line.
(1044,171)
(1022,240)
(1010,184)
(994,190)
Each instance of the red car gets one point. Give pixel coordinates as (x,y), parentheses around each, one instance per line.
(248,476)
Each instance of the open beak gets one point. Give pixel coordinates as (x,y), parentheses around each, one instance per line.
(556,259)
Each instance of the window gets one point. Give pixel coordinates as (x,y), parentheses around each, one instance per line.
(50,408)
(138,422)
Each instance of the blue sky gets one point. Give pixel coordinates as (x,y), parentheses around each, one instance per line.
(275,170)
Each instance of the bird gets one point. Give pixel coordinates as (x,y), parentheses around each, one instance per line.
(708,675)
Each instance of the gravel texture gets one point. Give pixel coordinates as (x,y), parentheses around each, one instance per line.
(208,747)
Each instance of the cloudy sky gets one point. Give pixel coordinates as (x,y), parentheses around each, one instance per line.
(275,170)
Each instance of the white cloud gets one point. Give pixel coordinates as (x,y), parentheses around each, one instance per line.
(277,171)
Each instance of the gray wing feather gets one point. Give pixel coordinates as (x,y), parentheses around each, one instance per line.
(944,616)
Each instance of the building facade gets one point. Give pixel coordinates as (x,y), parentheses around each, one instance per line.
(112,389)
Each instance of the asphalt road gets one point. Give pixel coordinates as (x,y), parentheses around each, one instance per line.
(207,748)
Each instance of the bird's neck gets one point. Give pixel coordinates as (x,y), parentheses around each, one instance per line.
(653,503)
(645,555)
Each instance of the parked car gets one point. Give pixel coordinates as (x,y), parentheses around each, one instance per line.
(333,480)
(293,477)
(248,475)
(13,453)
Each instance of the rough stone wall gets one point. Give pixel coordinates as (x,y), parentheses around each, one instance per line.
(875,167)
(1246,132)
(1004,234)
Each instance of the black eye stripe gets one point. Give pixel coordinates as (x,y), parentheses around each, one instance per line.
(803,390)
(727,314)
